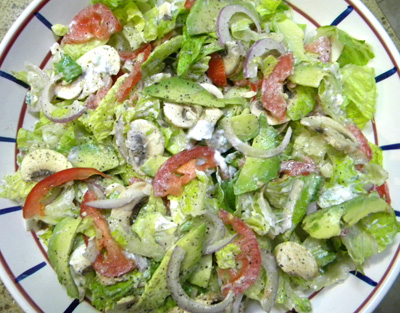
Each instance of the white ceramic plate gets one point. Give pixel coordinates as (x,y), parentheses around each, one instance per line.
(24,267)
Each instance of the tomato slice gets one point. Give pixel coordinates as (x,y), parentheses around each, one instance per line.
(249,258)
(188,4)
(296,168)
(273,98)
(383,191)
(95,21)
(363,142)
(322,46)
(167,182)
(130,55)
(135,75)
(33,205)
(216,70)
(113,262)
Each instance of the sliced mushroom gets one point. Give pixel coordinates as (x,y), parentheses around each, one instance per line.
(70,91)
(296,260)
(233,60)
(212,89)
(204,127)
(181,115)
(41,163)
(144,140)
(333,132)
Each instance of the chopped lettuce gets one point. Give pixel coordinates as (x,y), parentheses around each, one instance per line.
(359,87)
(226,256)
(77,50)
(14,188)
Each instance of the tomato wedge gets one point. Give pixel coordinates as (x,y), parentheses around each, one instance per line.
(135,75)
(296,168)
(249,258)
(273,98)
(322,46)
(216,70)
(362,141)
(95,21)
(113,262)
(167,182)
(33,205)
(188,4)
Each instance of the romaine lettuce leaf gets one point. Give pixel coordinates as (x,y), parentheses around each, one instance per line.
(14,188)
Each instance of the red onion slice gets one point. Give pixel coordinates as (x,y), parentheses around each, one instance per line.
(180,296)
(258,49)
(75,110)
(224,17)
(271,288)
(135,192)
(216,233)
(249,150)
(218,245)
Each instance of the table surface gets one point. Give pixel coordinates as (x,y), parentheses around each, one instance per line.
(11,9)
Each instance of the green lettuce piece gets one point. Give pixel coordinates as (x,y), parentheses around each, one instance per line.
(226,256)
(101,121)
(67,140)
(256,212)
(257,172)
(14,188)
(146,107)
(267,7)
(60,30)
(150,27)
(360,244)
(155,204)
(178,18)
(307,143)
(155,62)
(330,93)
(382,227)
(308,74)
(241,28)
(302,103)
(359,87)
(377,154)
(322,250)
(374,174)
(26,139)
(277,192)
(191,49)
(105,297)
(63,206)
(127,11)
(155,231)
(175,139)
(288,297)
(192,200)
(75,51)
(112,4)
(294,37)
(354,51)
(21,75)
(268,64)
(68,67)
(333,273)
(151,166)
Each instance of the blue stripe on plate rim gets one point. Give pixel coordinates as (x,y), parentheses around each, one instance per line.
(342,16)
(44,20)
(71,308)
(29,272)
(13,79)
(7,139)
(364,278)
(10,210)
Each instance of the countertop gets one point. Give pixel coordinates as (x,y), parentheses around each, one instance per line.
(11,9)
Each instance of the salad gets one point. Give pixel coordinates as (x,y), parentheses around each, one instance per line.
(194,156)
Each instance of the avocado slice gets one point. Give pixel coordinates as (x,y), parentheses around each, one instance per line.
(257,172)
(100,157)
(245,126)
(326,223)
(156,289)
(183,91)
(59,250)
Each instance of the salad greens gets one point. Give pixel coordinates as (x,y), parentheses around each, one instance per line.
(209,140)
